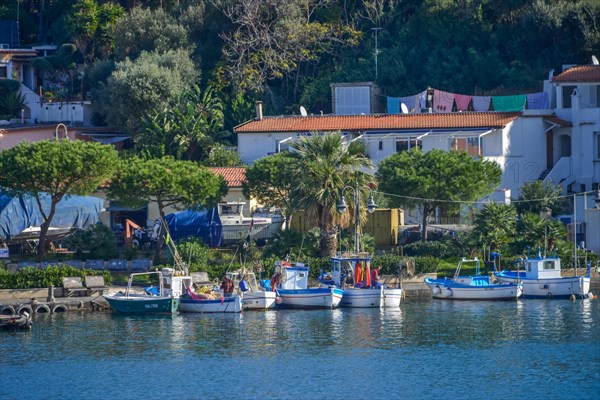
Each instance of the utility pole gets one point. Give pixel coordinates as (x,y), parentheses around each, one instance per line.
(376,30)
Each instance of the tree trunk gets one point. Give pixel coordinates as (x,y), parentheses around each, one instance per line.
(288,221)
(328,241)
(426,210)
(41,250)
(160,240)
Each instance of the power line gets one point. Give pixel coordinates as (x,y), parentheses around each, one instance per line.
(480,202)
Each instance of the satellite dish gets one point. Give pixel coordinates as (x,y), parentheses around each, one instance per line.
(595,60)
(404,108)
(303,111)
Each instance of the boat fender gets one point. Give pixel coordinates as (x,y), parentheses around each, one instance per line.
(42,309)
(449,293)
(436,290)
(24,308)
(59,308)
(7,310)
(278,300)
(572,297)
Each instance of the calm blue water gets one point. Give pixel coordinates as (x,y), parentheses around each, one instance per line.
(426,349)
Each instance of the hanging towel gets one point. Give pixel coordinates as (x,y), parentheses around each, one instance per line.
(462,102)
(509,103)
(412,103)
(481,103)
(423,99)
(442,101)
(538,101)
(393,105)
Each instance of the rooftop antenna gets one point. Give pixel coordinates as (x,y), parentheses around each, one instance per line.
(595,60)
(376,30)
(303,111)
(404,108)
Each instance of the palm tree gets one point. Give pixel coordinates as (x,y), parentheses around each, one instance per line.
(324,164)
(495,225)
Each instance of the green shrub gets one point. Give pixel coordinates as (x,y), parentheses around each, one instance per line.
(31,277)
(439,248)
(97,241)
(425,264)
(9,85)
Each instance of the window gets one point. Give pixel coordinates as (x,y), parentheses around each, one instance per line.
(381,145)
(407,144)
(469,144)
(548,265)
(597,146)
(3,71)
(567,91)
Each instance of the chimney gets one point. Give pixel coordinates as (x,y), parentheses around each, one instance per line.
(259,110)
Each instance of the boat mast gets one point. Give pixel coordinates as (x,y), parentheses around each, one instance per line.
(575,230)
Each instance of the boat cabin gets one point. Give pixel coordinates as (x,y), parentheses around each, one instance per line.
(173,283)
(292,277)
(349,270)
(542,268)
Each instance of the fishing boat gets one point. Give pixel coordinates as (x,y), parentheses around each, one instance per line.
(213,302)
(352,273)
(254,297)
(478,287)
(236,226)
(161,299)
(541,278)
(291,283)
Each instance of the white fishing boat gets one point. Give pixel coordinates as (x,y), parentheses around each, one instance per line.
(541,278)
(254,297)
(292,290)
(236,226)
(352,274)
(478,287)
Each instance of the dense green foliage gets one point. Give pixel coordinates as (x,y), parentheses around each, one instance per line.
(96,242)
(166,182)
(436,178)
(287,52)
(323,166)
(56,168)
(31,277)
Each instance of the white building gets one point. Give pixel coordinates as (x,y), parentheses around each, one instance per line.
(560,144)
(510,139)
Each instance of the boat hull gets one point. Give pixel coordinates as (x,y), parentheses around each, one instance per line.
(235,233)
(231,304)
(362,298)
(552,288)
(310,298)
(142,304)
(448,290)
(259,300)
(392,297)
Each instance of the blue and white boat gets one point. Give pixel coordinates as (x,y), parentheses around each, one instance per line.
(351,272)
(541,279)
(291,283)
(478,287)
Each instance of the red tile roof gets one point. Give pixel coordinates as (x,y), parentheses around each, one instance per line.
(580,73)
(234,176)
(560,122)
(378,122)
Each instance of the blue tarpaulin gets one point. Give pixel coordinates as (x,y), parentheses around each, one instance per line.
(204,224)
(19,213)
